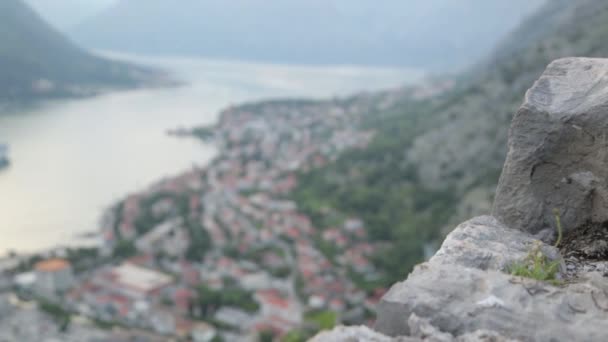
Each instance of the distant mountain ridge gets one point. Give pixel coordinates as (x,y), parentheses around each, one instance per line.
(36,61)
(66,14)
(397,32)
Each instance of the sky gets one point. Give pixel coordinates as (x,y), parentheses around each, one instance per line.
(65,14)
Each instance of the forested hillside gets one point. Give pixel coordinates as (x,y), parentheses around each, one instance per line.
(436,162)
(37,61)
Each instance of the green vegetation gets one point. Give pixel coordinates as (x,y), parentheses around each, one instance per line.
(558,225)
(60,315)
(124,249)
(266,336)
(376,185)
(217,338)
(83,259)
(147,219)
(200,241)
(209,300)
(537,266)
(28,264)
(296,336)
(34,53)
(316,321)
(324,320)
(280,272)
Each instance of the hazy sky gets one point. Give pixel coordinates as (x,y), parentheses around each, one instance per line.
(65,14)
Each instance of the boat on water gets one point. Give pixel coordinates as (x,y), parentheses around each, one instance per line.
(4,161)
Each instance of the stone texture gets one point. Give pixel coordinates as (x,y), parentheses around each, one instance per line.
(558,150)
(351,334)
(421,331)
(461,296)
(485,243)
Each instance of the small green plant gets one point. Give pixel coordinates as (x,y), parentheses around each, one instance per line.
(558,223)
(537,266)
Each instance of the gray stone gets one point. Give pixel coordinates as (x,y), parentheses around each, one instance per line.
(462,297)
(485,243)
(357,334)
(421,328)
(558,150)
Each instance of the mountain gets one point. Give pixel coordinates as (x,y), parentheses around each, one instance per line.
(37,61)
(66,14)
(435,162)
(399,32)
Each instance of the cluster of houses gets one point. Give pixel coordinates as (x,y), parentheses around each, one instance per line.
(260,239)
(259,242)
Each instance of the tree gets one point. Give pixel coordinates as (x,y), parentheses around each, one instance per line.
(124,249)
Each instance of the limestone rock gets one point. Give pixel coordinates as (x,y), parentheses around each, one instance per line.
(355,334)
(421,331)
(462,296)
(485,243)
(558,150)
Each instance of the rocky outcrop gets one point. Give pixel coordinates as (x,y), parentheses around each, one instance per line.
(464,288)
(558,150)
(421,331)
(557,160)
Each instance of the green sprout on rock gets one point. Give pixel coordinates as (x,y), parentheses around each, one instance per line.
(536,265)
(558,223)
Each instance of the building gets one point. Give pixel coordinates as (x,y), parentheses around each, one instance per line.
(133,281)
(53,276)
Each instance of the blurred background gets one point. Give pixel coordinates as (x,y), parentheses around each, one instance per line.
(252,160)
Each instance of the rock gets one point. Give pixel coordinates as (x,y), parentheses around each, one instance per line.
(357,334)
(558,150)
(422,331)
(425,331)
(485,243)
(462,297)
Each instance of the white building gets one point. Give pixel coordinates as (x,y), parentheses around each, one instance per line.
(53,276)
(133,281)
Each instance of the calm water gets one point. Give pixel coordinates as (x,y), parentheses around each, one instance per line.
(71,159)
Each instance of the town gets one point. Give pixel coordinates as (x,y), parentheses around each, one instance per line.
(220,253)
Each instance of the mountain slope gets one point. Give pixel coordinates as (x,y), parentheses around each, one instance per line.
(436,162)
(37,61)
(315,31)
(65,14)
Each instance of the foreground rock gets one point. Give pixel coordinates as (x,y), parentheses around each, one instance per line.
(464,288)
(464,294)
(558,150)
(558,159)
(421,331)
